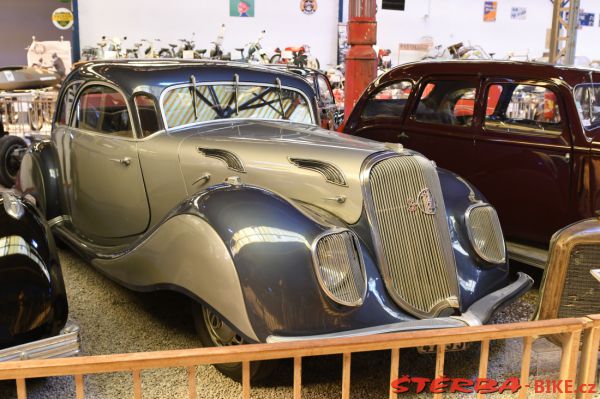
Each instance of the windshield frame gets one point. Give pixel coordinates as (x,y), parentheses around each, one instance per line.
(232,83)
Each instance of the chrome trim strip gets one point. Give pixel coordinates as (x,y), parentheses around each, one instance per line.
(426,324)
(315,259)
(67,343)
(58,220)
(526,254)
(472,238)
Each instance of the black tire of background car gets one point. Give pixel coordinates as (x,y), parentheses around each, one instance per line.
(259,370)
(9,165)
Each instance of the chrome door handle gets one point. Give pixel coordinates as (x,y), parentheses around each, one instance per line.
(124,161)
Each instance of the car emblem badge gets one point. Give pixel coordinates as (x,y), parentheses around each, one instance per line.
(424,202)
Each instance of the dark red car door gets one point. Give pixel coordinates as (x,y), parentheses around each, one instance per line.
(441,122)
(524,157)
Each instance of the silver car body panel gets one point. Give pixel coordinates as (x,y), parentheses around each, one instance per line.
(185,252)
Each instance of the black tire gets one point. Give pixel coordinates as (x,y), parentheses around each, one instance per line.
(259,371)
(275,59)
(9,165)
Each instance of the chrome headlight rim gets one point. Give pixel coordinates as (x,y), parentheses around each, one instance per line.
(316,265)
(470,233)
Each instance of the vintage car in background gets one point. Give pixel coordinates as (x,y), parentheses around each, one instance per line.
(214,179)
(33,301)
(525,134)
(331,116)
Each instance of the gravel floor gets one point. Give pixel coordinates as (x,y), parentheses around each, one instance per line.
(115,320)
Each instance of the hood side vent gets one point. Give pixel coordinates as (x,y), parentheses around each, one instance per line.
(233,161)
(331,172)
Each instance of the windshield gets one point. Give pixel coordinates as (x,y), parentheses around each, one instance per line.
(208,102)
(587,100)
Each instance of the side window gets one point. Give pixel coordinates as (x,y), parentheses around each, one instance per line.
(67,104)
(324,91)
(447,102)
(520,107)
(101,109)
(146,108)
(389,101)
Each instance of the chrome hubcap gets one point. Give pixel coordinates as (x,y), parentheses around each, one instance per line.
(220,333)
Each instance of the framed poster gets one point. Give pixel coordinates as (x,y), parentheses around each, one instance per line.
(490,9)
(241,8)
(586,18)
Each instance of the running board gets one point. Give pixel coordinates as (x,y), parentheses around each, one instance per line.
(529,255)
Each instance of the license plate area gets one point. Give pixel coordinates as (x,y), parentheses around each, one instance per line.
(431,349)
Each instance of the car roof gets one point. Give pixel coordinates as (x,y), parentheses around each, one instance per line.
(154,75)
(571,75)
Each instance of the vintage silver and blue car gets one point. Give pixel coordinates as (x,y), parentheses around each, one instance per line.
(214,180)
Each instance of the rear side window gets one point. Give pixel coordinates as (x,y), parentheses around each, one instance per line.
(447,102)
(146,108)
(388,101)
(325,91)
(102,109)
(522,108)
(587,100)
(67,104)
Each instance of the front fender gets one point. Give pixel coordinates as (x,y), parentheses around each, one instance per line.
(476,277)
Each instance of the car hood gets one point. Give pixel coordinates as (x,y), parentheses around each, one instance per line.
(280,157)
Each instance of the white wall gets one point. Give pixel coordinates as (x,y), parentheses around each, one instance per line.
(170,20)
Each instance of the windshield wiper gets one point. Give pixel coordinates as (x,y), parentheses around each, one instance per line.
(193,80)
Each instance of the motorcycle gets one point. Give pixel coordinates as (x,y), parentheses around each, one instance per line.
(253,52)
(216,52)
(298,56)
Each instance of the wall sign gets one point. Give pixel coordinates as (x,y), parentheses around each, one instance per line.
(586,18)
(241,8)
(518,13)
(490,9)
(63,18)
(308,7)
(397,5)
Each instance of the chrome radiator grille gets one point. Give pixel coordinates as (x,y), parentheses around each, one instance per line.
(411,234)
(581,291)
(340,269)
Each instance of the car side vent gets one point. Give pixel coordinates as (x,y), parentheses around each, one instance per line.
(233,161)
(331,172)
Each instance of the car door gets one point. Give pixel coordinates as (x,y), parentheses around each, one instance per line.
(106,192)
(441,122)
(524,158)
(382,114)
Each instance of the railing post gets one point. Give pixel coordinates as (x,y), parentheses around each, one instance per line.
(439,365)
(79,387)
(589,355)
(568,361)
(484,356)
(297,378)
(394,364)
(246,380)
(137,384)
(346,376)
(21,389)
(192,382)
(525,365)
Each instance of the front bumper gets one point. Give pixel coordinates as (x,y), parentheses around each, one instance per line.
(66,343)
(478,313)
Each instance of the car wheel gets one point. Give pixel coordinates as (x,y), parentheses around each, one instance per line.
(213,331)
(10,164)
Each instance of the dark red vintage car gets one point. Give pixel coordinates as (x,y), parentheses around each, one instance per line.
(526,134)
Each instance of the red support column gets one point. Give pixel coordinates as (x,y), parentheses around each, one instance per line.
(361,60)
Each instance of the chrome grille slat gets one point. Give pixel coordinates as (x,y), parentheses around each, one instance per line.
(485,233)
(581,290)
(414,251)
(338,253)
